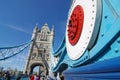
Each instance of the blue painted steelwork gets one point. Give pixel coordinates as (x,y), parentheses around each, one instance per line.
(97,71)
(102,61)
(8,52)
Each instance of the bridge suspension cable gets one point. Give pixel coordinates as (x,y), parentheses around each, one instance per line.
(8,52)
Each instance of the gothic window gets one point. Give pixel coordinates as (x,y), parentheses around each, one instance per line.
(40,53)
(35,46)
(41,46)
(48,55)
(38,37)
(44,50)
(34,54)
(43,36)
(48,32)
(46,37)
(32,57)
(47,47)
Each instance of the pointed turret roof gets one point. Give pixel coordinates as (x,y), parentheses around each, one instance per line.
(36,28)
(45,27)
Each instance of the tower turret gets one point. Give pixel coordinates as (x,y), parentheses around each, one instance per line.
(40,50)
(35,32)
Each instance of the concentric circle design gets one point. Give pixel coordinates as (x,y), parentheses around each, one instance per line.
(75,24)
(82,26)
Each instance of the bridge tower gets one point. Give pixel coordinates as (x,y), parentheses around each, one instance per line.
(40,50)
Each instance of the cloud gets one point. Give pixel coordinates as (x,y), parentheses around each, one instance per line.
(18,28)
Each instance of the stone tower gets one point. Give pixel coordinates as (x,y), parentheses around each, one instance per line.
(40,50)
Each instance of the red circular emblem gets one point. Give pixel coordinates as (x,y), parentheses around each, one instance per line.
(75,25)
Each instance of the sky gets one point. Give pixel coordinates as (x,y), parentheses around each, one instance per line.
(19,17)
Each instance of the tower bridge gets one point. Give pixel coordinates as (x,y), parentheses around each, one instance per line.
(40,49)
(90,49)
